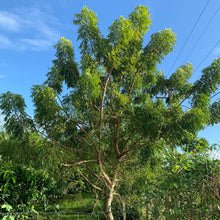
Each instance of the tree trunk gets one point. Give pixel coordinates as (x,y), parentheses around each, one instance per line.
(108,209)
(123,210)
(109,199)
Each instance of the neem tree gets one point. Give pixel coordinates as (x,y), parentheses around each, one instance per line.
(117,106)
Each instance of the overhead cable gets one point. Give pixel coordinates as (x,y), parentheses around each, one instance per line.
(215,95)
(197,41)
(189,36)
(207,55)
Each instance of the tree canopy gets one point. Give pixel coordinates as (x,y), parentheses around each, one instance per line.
(115,109)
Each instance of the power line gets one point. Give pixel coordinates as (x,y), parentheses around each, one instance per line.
(202,33)
(215,95)
(189,36)
(207,55)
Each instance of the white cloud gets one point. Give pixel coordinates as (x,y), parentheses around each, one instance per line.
(28,29)
(9,21)
(2,76)
(34,44)
(4,42)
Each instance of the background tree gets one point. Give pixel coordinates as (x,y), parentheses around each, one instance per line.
(184,186)
(32,150)
(118,106)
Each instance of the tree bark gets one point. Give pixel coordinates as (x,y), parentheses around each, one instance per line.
(109,199)
(108,209)
(123,210)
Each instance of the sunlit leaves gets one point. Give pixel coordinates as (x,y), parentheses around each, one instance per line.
(137,91)
(64,68)
(210,79)
(140,18)
(46,106)
(160,45)
(179,79)
(201,101)
(88,31)
(90,84)
(121,32)
(194,120)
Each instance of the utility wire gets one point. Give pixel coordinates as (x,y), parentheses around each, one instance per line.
(205,29)
(189,36)
(207,55)
(215,95)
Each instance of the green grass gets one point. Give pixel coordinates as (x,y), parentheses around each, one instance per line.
(50,216)
(75,206)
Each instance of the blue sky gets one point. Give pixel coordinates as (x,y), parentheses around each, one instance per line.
(30,28)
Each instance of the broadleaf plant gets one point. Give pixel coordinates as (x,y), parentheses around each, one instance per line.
(117,106)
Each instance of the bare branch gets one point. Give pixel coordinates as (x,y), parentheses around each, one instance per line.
(78,163)
(116,137)
(133,81)
(132,147)
(93,51)
(173,110)
(96,203)
(102,171)
(103,99)
(100,129)
(94,186)
(125,145)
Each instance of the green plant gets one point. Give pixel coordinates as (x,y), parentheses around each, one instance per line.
(117,111)
(185,185)
(21,186)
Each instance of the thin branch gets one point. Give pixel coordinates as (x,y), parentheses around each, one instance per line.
(125,145)
(93,51)
(179,170)
(173,110)
(133,81)
(115,137)
(96,107)
(100,128)
(91,171)
(123,205)
(75,121)
(86,165)
(132,147)
(80,127)
(103,99)
(60,101)
(94,186)
(56,142)
(102,171)
(96,203)
(78,163)
(51,139)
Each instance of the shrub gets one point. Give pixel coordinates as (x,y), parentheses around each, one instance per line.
(20,186)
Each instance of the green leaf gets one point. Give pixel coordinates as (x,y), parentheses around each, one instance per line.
(7,207)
